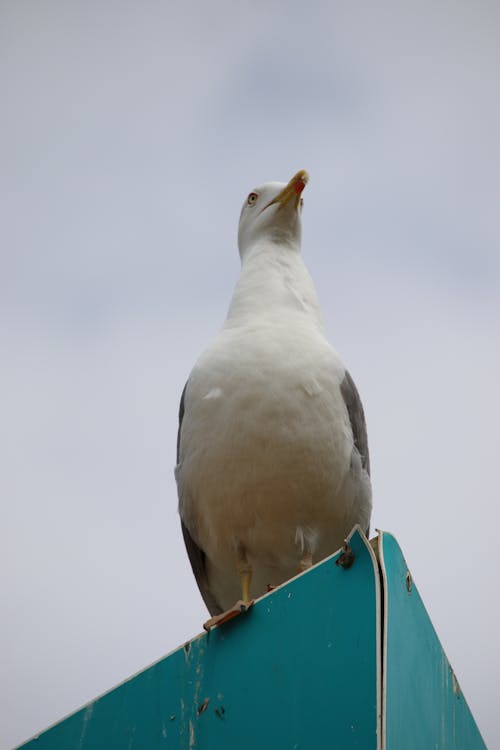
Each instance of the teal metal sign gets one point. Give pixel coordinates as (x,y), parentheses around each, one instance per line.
(316,663)
(424,706)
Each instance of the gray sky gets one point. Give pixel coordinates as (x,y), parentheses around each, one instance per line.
(131,132)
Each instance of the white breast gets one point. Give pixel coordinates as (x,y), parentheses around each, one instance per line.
(265,452)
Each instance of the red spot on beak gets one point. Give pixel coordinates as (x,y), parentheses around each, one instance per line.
(299,185)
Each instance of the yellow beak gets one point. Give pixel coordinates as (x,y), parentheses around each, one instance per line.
(293,189)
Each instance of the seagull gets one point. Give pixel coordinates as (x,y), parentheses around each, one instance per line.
(272,454)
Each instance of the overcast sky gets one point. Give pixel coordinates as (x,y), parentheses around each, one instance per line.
(130,134)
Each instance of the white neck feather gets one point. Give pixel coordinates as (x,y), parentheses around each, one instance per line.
(274,287)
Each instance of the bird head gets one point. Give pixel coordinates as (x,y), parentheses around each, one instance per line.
(272,212)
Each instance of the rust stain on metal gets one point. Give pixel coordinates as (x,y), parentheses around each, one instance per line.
(346,559)
(219,712)
(409,581)
(454,682)
(203,706)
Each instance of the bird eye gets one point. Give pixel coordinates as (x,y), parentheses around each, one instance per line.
(252,198)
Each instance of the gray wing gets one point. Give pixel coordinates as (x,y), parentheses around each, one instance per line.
(196,555)
(358,424)
(357,418)
(181,417)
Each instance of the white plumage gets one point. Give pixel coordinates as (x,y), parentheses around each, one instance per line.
(272,467)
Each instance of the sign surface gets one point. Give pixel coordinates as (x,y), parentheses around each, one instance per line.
(300,669)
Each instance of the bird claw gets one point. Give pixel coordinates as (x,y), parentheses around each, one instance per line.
(237,609)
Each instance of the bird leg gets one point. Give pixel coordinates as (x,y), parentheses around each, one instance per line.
(243,604)
(306,561)
(245,573)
